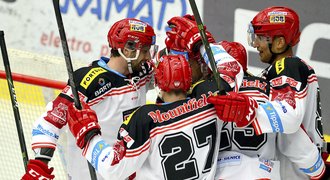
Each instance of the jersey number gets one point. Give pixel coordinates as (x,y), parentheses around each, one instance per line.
(243,138)
(177,151)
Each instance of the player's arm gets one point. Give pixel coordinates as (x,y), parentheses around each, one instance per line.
(117,161)
(184,35)
(301,151)
(45,133)
(283,112)
(47,128)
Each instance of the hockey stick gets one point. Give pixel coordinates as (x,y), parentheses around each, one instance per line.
(68,63)
(209,53)
(14,103)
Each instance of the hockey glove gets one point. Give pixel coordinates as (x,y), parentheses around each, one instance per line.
(185,35)
(83,124)
(235,107)
(37,169)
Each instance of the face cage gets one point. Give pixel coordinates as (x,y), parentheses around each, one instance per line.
(253,38)
(131,46)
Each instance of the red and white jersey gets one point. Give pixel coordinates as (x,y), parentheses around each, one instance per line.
(294,103)
(294,95)
(110,94)
(257,156)
(178,140)
(241,149)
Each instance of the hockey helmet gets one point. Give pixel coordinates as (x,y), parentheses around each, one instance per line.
(173,73)
(275,21)
(137,32)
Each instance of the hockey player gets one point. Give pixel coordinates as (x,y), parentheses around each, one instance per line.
(294,95)
(113,88)
(250,149)
(178,139)
(256,155)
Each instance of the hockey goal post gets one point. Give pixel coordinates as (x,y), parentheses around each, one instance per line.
(38,79)
(33,93)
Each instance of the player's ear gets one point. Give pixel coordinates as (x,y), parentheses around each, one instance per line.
(279,44)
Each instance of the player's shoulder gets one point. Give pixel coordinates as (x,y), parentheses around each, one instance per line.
(291,64)
(95,79)
(207,86)
(141,116)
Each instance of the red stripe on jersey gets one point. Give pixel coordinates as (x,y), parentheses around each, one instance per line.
(256,127)
(138,151)
(320,175)
(173,126)
(43,145)
(118,91)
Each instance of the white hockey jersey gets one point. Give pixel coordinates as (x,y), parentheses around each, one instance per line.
(110,94)
(178,140)
(294,101)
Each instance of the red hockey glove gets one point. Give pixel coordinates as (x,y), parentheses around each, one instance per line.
(235,107)
(37,169)
(83,124)
(185,35)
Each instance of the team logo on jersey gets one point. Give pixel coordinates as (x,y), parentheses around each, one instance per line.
(284,94)
(279,66)
(57,115)
(90,76)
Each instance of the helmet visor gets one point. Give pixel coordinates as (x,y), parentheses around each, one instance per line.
(251,36)
(254,39)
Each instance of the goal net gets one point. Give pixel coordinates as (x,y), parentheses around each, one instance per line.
(37,80)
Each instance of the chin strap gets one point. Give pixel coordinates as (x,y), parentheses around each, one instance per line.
(129,60)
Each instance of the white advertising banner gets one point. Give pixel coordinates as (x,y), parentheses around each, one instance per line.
(31,24)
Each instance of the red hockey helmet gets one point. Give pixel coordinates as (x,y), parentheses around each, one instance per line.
(237,51)
(131,30)
(275,21)
(173,73)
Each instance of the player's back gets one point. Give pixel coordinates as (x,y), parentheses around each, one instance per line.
(183,137)
(241,149)
(245,140)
